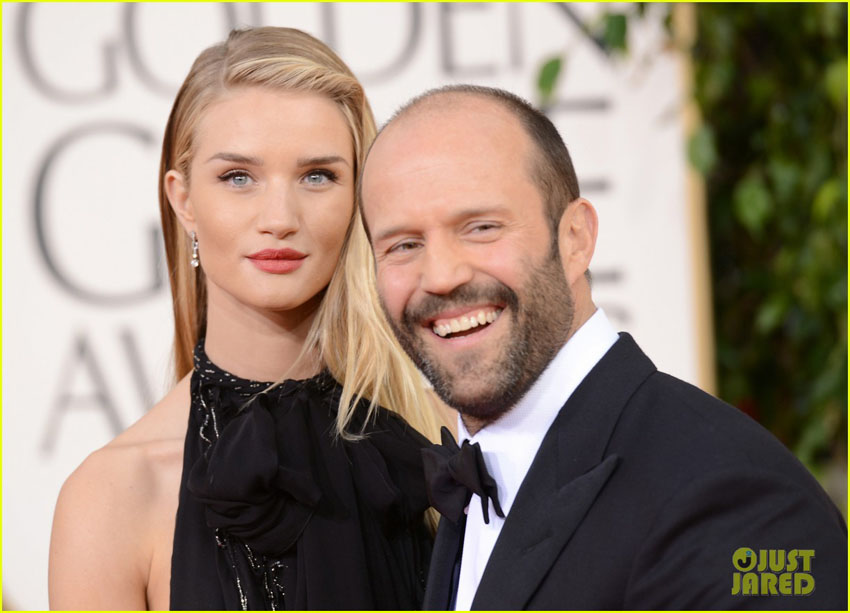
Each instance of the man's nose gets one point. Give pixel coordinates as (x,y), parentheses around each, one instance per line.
(445,267)
(279,210)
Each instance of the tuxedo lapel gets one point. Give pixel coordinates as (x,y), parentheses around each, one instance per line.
(532,539)
(447,544)
(566,476)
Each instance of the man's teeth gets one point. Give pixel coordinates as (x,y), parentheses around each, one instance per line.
(473,320)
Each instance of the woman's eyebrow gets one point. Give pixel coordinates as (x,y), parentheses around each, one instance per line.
(237,158)
(322,159)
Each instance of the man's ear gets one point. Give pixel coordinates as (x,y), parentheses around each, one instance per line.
(577,238)
(177,190)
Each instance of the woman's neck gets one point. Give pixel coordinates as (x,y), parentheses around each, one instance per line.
(259,344)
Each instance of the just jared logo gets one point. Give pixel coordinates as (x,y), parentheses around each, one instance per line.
(772,572)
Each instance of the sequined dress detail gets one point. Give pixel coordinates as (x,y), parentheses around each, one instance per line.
(275,512)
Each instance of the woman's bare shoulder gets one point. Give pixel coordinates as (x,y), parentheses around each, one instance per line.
(131,462)
(108,524)
(164,422)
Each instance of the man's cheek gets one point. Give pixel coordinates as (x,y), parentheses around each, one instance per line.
(395,291)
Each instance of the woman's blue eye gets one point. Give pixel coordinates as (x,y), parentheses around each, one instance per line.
(236,178)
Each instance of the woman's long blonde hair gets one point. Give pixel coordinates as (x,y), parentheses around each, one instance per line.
(349,335)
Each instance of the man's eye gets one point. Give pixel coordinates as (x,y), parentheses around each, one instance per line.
(319,177)
(404,246)
(236,178)
(483,227)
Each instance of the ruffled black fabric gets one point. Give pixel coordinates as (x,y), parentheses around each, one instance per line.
(275,512)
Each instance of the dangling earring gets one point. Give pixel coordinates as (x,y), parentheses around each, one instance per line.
(195,261)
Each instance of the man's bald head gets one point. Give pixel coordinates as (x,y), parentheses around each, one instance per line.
(550,166)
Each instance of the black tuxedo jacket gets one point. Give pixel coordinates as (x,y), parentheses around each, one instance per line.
(639,495)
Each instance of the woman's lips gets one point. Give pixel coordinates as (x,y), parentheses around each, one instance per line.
(277,261)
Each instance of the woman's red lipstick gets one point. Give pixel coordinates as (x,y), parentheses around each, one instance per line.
(277,261)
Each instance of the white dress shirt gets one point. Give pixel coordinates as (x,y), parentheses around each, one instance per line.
(510,443)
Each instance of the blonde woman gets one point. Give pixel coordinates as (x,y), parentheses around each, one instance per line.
(300,494)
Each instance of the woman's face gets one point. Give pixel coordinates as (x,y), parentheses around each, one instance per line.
(270,195)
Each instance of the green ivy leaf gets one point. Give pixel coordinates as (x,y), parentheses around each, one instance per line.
(836,295)
(702,150)
(771,313)
(547,78)
(616,29)
(813,439)
(717,79)
(831,19)
(753,203)
(784,178)
(835,80)
(825,200)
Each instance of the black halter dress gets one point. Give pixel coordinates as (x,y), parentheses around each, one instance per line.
(275,512)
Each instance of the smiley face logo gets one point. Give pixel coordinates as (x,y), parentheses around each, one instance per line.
(744,559)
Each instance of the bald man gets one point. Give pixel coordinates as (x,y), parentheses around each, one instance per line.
(587,479)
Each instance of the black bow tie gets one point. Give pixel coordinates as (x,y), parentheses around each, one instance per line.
(453,474)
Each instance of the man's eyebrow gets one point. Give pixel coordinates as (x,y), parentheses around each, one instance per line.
(389,232)
(486,209)
(237,158)
(320,160)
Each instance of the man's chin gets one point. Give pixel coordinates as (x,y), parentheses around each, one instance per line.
(482,405)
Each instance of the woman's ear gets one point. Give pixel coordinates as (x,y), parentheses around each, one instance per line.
(177,190)
(577,238)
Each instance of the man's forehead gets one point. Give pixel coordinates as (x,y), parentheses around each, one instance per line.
(443,107)
(452,122)
(445,139)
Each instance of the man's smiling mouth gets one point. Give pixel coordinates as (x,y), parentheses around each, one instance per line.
(463,325)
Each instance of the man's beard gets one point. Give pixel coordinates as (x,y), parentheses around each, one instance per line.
(541,321)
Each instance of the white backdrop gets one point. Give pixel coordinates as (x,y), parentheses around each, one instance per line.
(87,90)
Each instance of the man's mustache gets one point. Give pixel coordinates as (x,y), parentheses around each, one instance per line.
(468,294)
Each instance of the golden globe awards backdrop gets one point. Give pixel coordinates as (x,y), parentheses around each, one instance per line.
(87,90)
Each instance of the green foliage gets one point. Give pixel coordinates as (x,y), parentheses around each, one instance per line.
(771,84)
(610,31)
(702,151)
(547,78)
(753,203)
(615,31)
